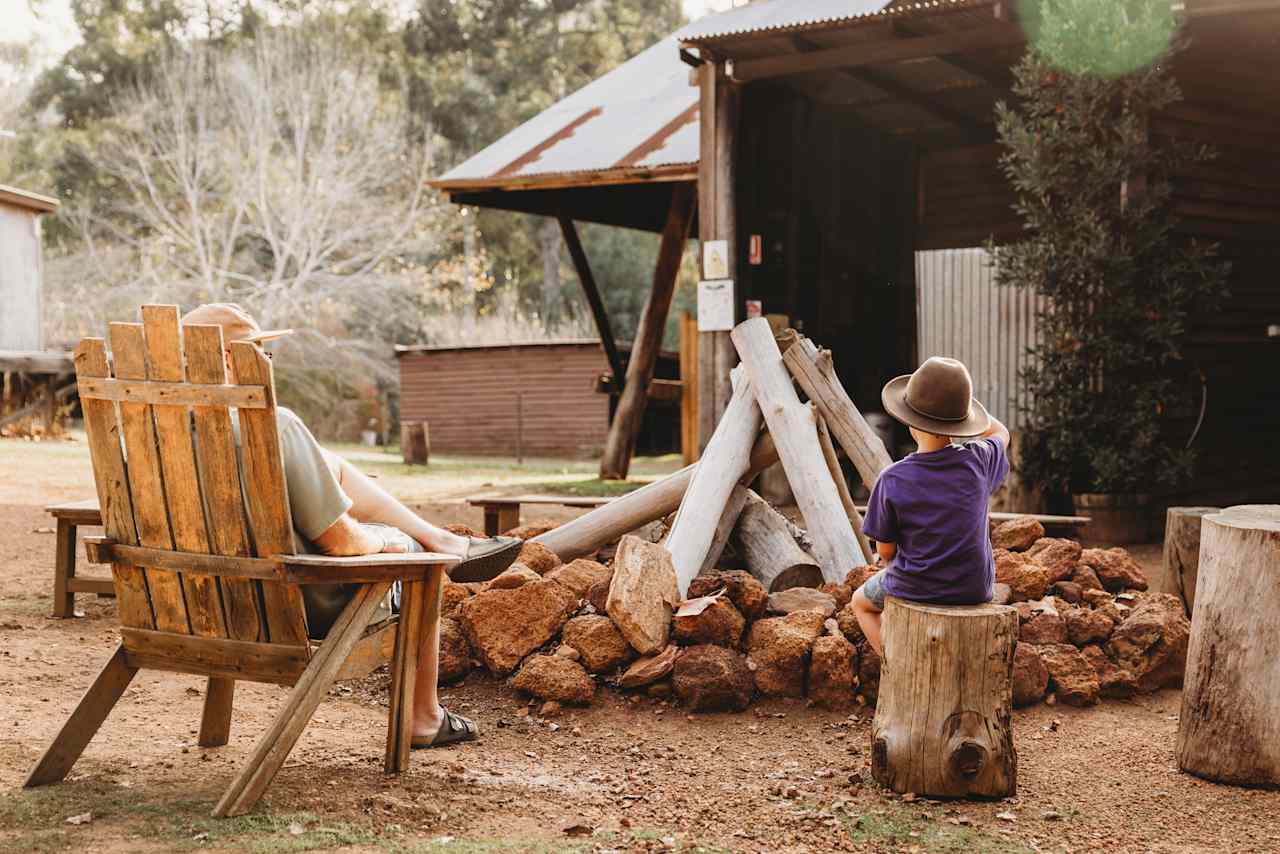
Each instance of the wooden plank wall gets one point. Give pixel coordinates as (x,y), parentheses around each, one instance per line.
(469,398)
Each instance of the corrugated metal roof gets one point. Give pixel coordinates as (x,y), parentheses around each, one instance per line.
(643,115)
(776,15)
(27,200)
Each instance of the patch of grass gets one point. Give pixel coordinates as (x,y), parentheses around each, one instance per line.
(891,829)
(265,833)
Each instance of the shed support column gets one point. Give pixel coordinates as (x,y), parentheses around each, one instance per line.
(592,293)
(718,116)
(621,441)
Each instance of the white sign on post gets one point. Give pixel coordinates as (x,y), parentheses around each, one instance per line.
(715,305)
(715,259)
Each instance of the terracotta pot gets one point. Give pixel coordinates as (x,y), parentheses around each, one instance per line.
(1116,519)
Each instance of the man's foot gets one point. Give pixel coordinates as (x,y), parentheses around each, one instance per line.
(443,728)
(486,558)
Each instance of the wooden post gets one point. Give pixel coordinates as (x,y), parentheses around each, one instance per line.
(942,726)
(1182,552)
(415,442)
(607,523)
(621,441)
(592,293)
(689,445)
(718,117)
(813,371)
(1228,730)
(795,431)
(725,461)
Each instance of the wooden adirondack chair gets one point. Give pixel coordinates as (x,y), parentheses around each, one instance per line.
(204,574)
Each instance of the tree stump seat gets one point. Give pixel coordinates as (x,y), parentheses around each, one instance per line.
(942,726)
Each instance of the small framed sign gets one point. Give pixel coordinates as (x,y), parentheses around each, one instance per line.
(715,259)
(715,305)
(755,308)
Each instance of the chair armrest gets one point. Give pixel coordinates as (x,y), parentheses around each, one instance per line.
(360,569)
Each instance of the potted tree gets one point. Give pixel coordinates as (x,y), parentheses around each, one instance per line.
(1094,194)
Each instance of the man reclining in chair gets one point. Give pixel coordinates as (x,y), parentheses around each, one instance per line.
(339,511)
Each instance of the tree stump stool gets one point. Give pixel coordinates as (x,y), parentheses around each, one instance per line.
(1182,551)
(942,726)
(1229,730)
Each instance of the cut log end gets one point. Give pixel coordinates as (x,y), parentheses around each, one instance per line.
(799,575)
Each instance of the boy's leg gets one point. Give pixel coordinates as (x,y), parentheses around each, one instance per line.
(868,604)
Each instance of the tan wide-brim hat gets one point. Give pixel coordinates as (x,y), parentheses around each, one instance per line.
(237,324)
(937,398)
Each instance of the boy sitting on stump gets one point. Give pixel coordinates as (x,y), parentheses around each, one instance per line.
(928,511)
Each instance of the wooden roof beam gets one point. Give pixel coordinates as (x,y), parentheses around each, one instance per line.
(895,90)
(997,34)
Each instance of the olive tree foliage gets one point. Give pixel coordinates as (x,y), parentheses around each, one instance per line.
(279,174)
(1110,391)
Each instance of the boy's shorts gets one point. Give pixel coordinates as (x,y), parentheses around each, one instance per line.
(873,589)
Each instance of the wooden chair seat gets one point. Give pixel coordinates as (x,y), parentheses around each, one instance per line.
(199,539)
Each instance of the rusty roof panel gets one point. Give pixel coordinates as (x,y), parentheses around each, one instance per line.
(789,15)
(638,115)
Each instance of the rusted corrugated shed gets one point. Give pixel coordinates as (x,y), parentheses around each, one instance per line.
(470,396)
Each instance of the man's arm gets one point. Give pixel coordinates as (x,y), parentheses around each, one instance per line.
(347,537)
(997,430)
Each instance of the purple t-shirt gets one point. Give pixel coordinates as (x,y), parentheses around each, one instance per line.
(933,506)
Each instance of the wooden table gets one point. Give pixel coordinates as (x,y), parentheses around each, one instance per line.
(502,512)
(66,584)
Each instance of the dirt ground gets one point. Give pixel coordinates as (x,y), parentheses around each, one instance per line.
(623,774)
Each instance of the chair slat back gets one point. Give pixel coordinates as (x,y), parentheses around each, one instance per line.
(177,486)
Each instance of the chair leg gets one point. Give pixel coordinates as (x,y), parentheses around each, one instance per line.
(64,567)
(215,721)
(274,746)
(88,716)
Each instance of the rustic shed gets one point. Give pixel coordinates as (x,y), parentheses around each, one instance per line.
(21,268)
(541,399)
(34,381)
(847,153)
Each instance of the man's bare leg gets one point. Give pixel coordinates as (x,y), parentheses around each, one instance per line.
(869,617)
(372,503)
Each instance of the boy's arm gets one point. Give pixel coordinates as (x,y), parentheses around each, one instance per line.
(997,430)
(886,550)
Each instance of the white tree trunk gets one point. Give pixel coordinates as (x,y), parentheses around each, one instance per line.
(942,726)
(764,540)
(724,462)
(794,430)
(608,522)
(812,369)
(1229,729)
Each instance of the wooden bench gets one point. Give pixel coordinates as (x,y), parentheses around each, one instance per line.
(502,512)
(200,542)
(66,584)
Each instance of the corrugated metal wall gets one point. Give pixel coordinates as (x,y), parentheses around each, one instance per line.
(20,299)
(468,397)
(962,314)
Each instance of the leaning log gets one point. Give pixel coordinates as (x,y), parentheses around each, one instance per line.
(942,726)
(1182,551)
(1229,730)
(794,430)
(607,523)
(815,374)
(764,540)
(724,462)
(724,529)
(846,500)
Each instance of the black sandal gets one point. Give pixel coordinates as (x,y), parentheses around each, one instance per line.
(486,559)
(454,729)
